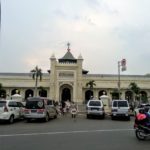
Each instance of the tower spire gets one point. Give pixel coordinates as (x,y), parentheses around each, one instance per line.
(68,44)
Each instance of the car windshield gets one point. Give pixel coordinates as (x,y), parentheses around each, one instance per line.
(2,103)
(143,106)
(94,103)
(39,104)
(122,104)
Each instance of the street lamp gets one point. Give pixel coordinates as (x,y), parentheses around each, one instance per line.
(121,64)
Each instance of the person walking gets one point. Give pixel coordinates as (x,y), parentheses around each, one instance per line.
(73,109)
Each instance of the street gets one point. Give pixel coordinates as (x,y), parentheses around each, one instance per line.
(65,133)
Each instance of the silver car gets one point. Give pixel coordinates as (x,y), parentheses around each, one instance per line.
(95,108)
(40,108)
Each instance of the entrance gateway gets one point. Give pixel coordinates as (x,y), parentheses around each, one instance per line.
(66,78)
(66,93)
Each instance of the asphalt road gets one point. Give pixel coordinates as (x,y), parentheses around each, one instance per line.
(67,134)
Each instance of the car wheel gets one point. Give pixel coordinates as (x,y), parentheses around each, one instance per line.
(11,119)
(103,116)
(128,118)
(28,120)
(47,118)
(112,118)
(87,116)
(55,116)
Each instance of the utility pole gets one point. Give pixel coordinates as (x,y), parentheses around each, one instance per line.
(121,64)
(119,79)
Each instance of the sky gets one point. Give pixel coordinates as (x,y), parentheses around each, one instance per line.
(102,31)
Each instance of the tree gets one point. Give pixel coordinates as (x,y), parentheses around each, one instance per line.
(2,91)
(135,89)
(91,85)
(1,86)
(36,75)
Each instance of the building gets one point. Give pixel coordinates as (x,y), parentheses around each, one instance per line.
(67,80)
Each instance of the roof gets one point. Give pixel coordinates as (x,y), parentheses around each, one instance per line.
(84,71)
(18,74)
(115,75)
(68,57)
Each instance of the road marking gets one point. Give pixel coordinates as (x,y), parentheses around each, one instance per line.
(64,132)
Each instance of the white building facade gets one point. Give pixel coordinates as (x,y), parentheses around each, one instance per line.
(67,80)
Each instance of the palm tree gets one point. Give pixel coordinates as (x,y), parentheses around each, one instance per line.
(2,91)
(135,89)
(36,74)
(91,85)
(1,86)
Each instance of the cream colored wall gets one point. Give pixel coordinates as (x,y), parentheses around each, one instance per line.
(22,83)
(52,82)
(102,83)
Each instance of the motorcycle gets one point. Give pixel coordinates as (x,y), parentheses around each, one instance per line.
(141,132)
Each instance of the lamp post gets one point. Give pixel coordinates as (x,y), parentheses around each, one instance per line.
(121,64)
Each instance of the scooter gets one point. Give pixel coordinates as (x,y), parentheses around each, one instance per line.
(141,132)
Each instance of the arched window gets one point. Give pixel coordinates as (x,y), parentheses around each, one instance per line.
(129,96)
(43,93)
(102,92)
(29,93)
(143,97)
(15,91)
(2,93)
(88,95)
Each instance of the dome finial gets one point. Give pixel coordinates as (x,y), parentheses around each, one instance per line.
(68,44)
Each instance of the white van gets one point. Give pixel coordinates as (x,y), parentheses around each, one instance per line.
(11,110)
(120,108)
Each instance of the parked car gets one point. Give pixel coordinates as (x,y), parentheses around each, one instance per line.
(95,108)
(141,106)
(11,110)
(40,108)
(120,108)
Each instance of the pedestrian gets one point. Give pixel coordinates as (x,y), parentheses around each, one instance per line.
(73,110)
(67,105)
(131,107)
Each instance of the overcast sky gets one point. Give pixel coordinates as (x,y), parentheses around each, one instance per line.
(102,31)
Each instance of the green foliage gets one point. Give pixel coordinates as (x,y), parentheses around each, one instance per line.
(2,91)
(91,84)
(36,74)
(133,87)
(1,86)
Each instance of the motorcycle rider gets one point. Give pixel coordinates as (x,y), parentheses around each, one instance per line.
(142,118)
(142,124)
